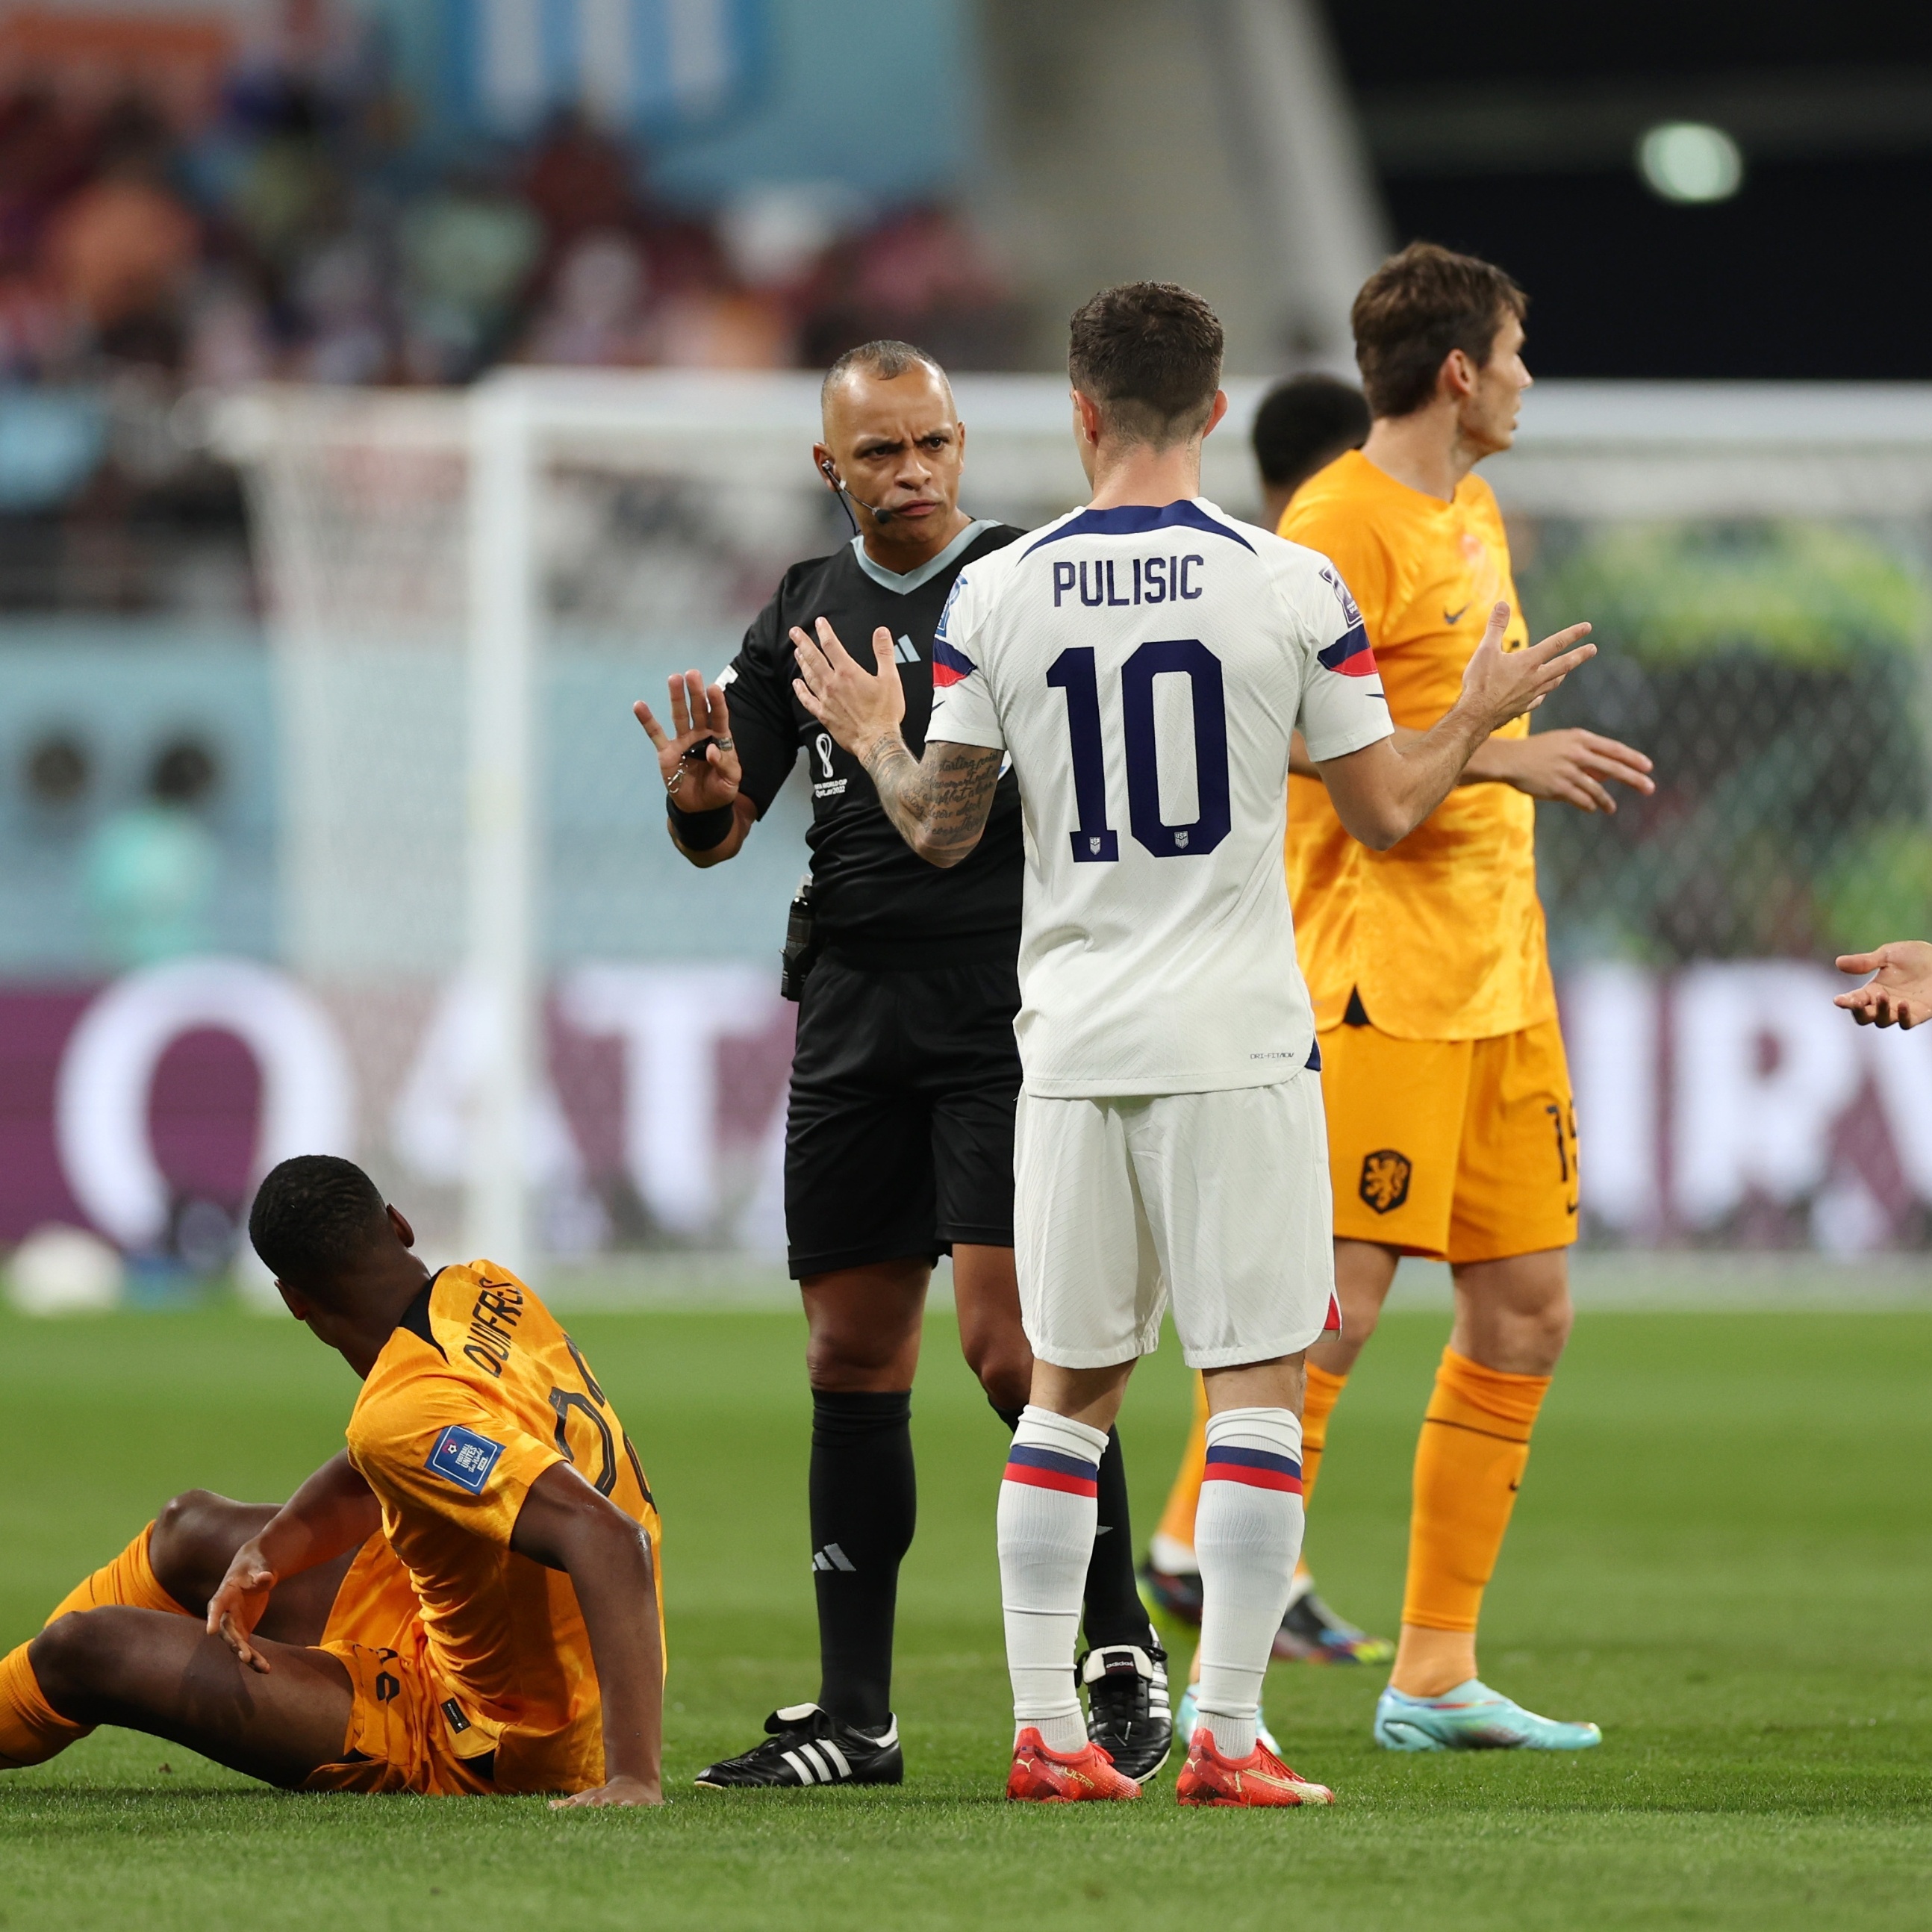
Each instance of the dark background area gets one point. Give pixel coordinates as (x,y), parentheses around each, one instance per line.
(1816,268)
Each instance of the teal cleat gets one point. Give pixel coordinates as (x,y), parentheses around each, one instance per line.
(1472,1718)
(1187,1721)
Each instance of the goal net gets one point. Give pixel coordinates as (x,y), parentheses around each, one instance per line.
(561,1038)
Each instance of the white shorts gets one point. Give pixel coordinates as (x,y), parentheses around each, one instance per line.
(1220,1200)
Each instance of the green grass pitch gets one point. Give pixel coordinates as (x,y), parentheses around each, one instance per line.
(1721,1554)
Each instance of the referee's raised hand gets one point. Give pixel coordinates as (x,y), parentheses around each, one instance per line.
(697,758)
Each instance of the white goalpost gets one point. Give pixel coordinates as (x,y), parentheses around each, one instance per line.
(466,589)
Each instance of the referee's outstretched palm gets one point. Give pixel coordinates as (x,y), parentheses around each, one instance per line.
(697,780)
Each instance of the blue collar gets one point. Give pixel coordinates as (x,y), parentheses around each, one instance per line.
(1133,520)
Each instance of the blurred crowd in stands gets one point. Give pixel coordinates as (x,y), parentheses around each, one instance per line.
(271,210)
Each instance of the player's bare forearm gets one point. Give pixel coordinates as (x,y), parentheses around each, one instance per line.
(938,803)
(334,1511)
(1383,792)
(566,1525)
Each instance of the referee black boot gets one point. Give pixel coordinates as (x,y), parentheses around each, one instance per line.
(1128,1714)
(809,1747)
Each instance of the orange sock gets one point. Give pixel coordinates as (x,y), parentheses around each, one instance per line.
(129,1579)
(1324,1391)
(1473,1449)
(31,1730)
(1176,1520)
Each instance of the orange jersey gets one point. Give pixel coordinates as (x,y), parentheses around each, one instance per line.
(1443,935)
(476,1394)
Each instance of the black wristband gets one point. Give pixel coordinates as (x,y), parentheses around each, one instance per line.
(699,831)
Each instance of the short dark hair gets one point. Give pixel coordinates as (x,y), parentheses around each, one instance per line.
(1413,310)
(1150,354)
(886,358)
(1304,424)
(314,1216)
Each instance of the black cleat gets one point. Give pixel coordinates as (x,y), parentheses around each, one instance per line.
(1311,1632)
(1173,1593)
(1128,1715)
(809,1747)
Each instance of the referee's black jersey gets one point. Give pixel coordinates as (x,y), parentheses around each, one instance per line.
(871,895)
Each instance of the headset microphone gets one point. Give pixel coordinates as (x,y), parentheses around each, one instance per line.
(880,515)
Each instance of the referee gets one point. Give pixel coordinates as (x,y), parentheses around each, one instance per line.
(899,1137)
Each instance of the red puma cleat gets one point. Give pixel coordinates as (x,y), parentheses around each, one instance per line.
(1259,1778)
(1046,1777)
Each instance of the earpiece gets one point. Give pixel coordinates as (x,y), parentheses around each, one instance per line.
(832,476)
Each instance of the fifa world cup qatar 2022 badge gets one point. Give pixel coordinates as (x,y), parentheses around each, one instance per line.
(464,1458)
(1384,1182)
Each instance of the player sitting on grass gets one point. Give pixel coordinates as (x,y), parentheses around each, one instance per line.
(1169,1137)
(465,1600)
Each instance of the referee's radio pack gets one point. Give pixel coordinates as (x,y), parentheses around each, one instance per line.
(801,952)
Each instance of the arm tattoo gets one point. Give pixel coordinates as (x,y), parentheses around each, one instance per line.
(939,803)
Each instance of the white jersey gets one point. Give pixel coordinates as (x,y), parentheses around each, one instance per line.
(1145,668)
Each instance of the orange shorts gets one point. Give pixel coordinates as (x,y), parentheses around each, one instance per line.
(406,1731)
(1459,1150)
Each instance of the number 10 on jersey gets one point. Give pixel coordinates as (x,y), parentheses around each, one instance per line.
(1095,842)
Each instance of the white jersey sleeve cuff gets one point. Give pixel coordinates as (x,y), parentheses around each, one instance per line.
(1340,744)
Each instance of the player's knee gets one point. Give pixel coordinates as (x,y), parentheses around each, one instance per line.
(190,1543)
(837,1358)
(74,1657)
(1552,1323)
(1005,1373)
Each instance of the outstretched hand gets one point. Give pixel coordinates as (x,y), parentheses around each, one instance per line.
(1501,685)
(856,706)
(237,1605)
(1573,766)
(1899,993)
(696,758)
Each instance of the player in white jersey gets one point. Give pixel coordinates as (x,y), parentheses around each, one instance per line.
(1145,662)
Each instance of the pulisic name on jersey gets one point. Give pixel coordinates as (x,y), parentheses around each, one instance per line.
(1139,580)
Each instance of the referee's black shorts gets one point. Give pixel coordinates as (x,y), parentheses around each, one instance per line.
(899,1141)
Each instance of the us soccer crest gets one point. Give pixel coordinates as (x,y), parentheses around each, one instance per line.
(1385,1184)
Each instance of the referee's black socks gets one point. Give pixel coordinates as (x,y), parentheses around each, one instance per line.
(1112,1612)
(864,1501)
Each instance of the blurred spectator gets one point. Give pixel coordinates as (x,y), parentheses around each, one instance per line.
(596,314)
(922,275)
(578,181)
(229,340)
(149,871)
(338,298)
(120,251)
(466,253)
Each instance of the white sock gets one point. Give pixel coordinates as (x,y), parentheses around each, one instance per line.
(1047,1514)
(1247,1535)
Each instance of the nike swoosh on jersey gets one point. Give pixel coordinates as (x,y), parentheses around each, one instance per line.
(1455,616)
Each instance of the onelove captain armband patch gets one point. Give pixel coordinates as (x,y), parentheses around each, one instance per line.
(464,1458)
